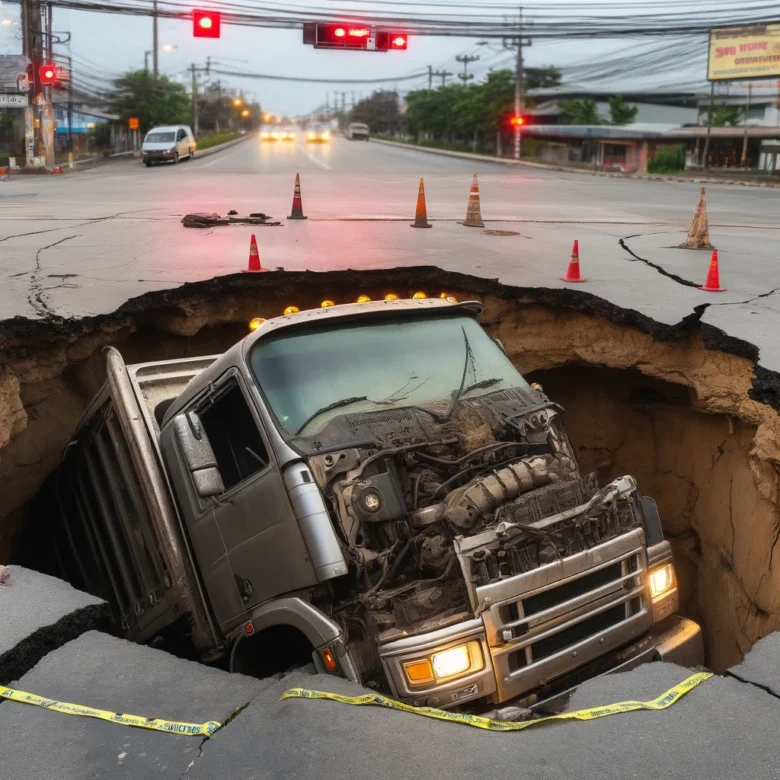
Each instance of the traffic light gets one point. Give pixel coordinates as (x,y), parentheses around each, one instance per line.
(517,121)
(48,73)
(206,24)
(353,37)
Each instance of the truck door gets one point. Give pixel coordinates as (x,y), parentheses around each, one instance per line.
(245,534)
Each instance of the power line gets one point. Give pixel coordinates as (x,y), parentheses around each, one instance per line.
(305,79)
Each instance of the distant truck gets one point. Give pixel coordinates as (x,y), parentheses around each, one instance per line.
(357,131)
(373,487)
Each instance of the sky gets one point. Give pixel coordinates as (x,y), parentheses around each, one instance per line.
(105,45)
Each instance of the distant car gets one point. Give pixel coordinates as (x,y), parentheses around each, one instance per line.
(168,143)
(318,135)
(287,134)
(357,131)
(269,135)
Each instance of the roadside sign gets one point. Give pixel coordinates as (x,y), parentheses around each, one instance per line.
(21,101)
(132,123)
(738,53)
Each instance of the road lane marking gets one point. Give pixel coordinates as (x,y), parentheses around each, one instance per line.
(313,158)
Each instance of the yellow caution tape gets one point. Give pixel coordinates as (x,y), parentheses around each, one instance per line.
(661,703)
(156,724)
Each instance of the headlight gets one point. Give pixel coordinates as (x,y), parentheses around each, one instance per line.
(326,136)
(445,665)
(661,580)
(311,135)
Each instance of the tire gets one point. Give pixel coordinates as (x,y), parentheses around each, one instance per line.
(175,158)
(148,164)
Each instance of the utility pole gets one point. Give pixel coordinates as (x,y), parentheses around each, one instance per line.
(517,44)
(709,125)
(465,59)
(194,98)
(743,159)
(430,78)
(444,74)
(154,37)
(343,102)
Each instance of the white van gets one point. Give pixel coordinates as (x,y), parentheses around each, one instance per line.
(357,131)
(168,143)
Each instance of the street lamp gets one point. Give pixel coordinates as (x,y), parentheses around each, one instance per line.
(238,102)
(245,112)
(166,47)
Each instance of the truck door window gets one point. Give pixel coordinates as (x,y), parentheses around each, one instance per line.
(234,437)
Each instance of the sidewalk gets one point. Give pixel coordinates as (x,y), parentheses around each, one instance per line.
(703,179)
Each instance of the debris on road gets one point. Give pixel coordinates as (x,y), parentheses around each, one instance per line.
(202,220)
(4,574)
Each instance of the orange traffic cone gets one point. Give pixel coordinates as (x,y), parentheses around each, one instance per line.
(297,206)
(421,214)
(713,276)
(473,214)
(573,271)
(254,259)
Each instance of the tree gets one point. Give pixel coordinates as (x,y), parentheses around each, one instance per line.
(724,114)
(620,113)
(542,78)
(380,112)
(582,112)
(154,100)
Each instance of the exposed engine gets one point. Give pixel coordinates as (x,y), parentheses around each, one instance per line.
(406,508)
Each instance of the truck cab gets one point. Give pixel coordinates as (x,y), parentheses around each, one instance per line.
(373,486)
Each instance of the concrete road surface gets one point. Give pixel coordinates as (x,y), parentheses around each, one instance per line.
(84,243)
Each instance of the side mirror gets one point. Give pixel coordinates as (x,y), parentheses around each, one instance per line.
(198,455)
(500,345)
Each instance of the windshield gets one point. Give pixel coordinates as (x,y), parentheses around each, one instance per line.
(160,138)
(382,365)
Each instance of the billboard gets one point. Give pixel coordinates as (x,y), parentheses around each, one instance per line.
(738,53)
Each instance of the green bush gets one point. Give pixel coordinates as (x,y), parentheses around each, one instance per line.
(213,139)
(668,159)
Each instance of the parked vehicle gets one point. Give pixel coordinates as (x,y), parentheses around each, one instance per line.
(375,487)
(357,131)
(169,143)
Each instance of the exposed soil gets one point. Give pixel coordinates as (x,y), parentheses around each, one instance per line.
(682,408)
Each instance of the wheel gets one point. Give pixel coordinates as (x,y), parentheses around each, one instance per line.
(175,158)
(147,164)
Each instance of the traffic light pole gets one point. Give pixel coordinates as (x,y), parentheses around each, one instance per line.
(194,99)
(519,88)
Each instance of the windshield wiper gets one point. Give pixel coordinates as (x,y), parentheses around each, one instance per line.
(483,383)
(334,405)
(456,399)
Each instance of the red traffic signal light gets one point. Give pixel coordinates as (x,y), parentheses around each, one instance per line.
(353,36)
(48,73)
(206,24)
(517,121)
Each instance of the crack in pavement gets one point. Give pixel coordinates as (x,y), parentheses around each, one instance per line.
(203,742)
(37,295)
(657,267)
(763,687)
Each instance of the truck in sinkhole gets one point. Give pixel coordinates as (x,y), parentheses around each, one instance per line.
(374,487)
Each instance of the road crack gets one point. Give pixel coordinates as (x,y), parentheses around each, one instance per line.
(657,267)
(36,295)
(764,688)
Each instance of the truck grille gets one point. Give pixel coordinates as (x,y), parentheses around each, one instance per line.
(576,610)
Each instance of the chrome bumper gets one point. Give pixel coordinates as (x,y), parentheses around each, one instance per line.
(537,630)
